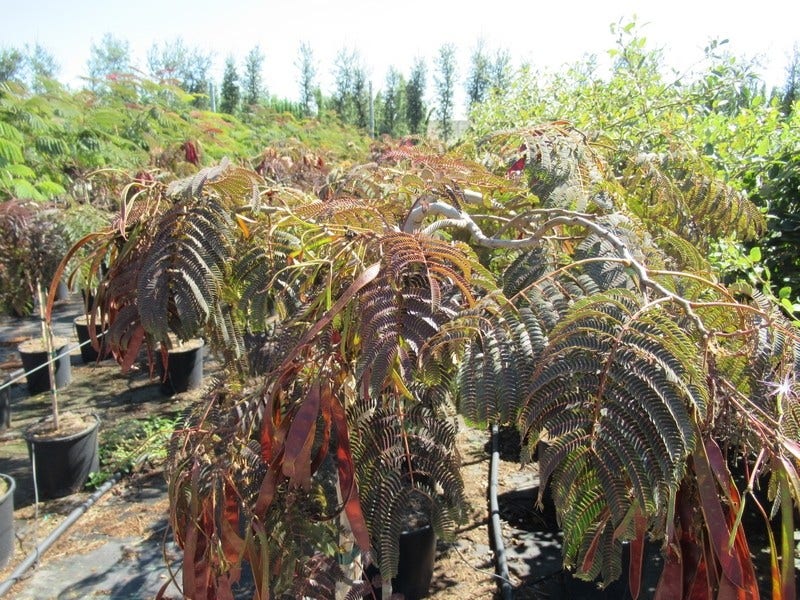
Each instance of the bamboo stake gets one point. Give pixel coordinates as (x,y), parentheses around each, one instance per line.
(47,336)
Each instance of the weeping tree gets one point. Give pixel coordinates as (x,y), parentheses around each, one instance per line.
(555,285)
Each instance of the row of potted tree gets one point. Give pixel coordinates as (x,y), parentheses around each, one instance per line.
(63,447)
(63,451)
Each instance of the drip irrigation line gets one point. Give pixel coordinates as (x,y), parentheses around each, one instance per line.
(76,513)
(20,373)
(495,530)
(41,548)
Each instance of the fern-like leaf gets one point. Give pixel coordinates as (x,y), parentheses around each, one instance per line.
(616,392)
(677,192)
(182,272)
(406,460)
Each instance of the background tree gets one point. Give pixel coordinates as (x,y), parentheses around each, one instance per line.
(167,62)
(12,64)
(343,67)
(40,65)
(350,99)
(196,78)
(391,104)
(308,73)
(111,56)
(229,92)
(479,78)
(445,80)
(415,111)
(187,68)
(253,88)
(791,89)
(500,71)
(360,96)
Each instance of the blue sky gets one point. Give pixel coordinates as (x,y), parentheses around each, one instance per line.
(547,34)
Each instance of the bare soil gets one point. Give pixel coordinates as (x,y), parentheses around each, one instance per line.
(69,424)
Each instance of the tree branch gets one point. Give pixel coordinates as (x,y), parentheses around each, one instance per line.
(454,217)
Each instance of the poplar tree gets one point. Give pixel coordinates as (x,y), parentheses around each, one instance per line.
(253,79)
(350,98)
(391,104)
(415,111)
(308,73)
(445,79)
(360,97)
(229,93)
(343,73)
(479,79)
(791,89)
(500,71)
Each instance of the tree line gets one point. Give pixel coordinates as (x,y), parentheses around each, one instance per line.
(403,105)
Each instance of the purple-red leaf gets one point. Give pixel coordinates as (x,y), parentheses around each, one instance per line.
(132,349)
(299,441)
(670,584)
(347,483)
(715,519)
(637,553)
(232,542)
(518,165)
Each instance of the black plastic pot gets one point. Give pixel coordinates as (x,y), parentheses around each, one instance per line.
(88,299)
(7,537)
(184,368)
(415,568)
(5,409)
(33,355)
(415,565)
(88,353)
(62,465)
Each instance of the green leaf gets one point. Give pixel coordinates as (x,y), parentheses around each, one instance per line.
(755,254)
(23,171)
(24,190)
(11,133)
(50,189)
(10,152)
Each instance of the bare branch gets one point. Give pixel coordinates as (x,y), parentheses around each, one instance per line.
(454,217)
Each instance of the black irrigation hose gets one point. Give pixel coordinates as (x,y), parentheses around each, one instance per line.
(51,539)
(495,530)
(76,513)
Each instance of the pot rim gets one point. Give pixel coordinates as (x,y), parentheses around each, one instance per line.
(196,344)
(12,485)
(58,344)
(84,320)
(31,438)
